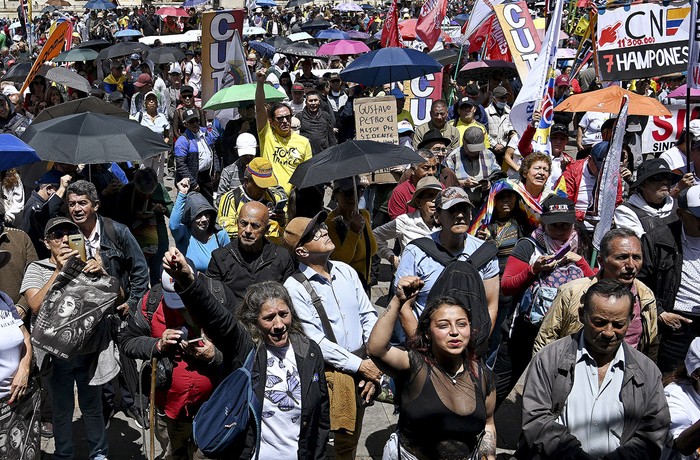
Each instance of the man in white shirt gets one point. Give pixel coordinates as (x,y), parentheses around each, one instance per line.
(193,71)
(590,129)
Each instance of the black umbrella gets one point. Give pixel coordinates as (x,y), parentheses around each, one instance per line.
(293,3)
(50,9)
(350,159)
(165,55)
(91,138)
(96,43)
(316,24)
(87,104)
(445,56)
(277,41)
(18,72)
(122,49)
(299,49)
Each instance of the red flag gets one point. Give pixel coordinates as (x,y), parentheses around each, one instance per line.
(430,21)
(390,31)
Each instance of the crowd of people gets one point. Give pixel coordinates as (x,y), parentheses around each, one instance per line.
(494,275)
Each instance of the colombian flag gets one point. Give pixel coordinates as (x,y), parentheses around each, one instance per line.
(674,19)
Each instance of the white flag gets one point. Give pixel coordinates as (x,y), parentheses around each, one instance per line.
(694,55)
(237,71)
(609,178)
(535,85)
(483,9)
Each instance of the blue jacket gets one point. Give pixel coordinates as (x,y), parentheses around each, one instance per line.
(187,155)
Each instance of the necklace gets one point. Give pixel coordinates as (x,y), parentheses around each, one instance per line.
(454,377)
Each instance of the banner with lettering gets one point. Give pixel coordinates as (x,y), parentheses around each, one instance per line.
(661,133)
(642,40)
(520,33)
(420,93)
(218,29)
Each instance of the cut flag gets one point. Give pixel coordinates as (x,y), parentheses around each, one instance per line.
(430,20)
(390,31)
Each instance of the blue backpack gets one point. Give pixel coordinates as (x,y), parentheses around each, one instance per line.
(221,420)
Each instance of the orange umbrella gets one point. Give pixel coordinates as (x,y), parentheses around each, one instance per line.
(609,100)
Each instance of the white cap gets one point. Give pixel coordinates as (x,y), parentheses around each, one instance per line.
(258,10)
(689,200)
(246,144)
(405,126)
(694,128)
(692,358)
(175,68)
(9,90)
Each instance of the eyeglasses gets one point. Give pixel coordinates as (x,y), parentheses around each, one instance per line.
(316,233)
(283,118)
(59,234)
(186,96)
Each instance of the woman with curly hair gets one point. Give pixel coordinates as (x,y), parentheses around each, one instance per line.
(288,372)
(447,395)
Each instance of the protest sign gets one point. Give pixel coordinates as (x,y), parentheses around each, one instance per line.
(642,40)
(217,33)
(72,310)
(661,133)
(51,49)
(520,34)
(376,120)
(421,92)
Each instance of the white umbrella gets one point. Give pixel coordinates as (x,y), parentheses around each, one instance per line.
(299,37)
(247,31)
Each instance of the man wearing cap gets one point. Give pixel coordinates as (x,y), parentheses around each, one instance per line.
(438,121)
(336,96)
(194,155)
(473,164)
(284,148)
(402,114)
(144,85)
(579,182)
(162,328)
(620,258)
(348,318)
(44,203)
(473,92)
(590,395)
(651,205)
(171,95)
(561,91)
(135,67)
(467,110)
(315,124)
(454,214)
(250,257)
(232,175)
(259,184)
(672,270)
(500,130)
(193,71)
(117,80)
(187,99)
(401,195)
(297,103)
(434,141)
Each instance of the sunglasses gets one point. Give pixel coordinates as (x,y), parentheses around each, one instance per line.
(59,234)
(283,118)
(186,96)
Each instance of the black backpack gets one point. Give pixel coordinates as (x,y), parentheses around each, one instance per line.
(461,280)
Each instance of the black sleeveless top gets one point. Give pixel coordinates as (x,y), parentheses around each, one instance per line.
(441,417)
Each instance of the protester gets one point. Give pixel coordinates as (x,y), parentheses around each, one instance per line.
(500,129)
(438,121)
(286,363)
(334,288)
(232,175)
(402,193)
(194,228)
(468,110)
(187,100)
(194,157)
(447,395)
(16,253)
(315,124)
(563,414)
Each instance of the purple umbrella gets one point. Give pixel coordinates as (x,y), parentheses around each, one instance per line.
(681,91)
(342,47)
(357,35)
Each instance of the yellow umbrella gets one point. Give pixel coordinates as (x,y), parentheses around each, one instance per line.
(609,100)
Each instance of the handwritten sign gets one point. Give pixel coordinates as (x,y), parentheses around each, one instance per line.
(376,120)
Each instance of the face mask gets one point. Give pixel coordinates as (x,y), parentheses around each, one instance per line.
(500,105)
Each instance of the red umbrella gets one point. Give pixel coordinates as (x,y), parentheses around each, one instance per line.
(172,11)
(342,48)
(407,29)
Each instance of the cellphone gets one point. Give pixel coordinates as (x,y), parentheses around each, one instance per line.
(279,206)
(198,339)
(77,243)
(564,250)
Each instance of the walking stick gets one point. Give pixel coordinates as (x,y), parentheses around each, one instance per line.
(152,409)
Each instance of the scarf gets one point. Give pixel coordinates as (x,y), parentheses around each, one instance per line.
(552,245)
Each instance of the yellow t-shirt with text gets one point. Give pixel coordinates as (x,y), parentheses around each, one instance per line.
(461,127)
(285,154)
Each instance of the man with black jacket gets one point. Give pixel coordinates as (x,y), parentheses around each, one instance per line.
(316,124)
(672,270)
(250,258)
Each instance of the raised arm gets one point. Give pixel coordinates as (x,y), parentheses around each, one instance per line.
(260,112)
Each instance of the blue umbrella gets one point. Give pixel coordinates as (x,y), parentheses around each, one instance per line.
(262,3)
(332,34)
(388,65)
(264,49)
(14,152)
(99,5)
(188,3)
(128,33)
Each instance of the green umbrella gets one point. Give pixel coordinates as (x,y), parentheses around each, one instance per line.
(233,96)
(76,54)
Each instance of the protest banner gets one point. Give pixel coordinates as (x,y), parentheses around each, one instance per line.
(376,120)
(72,310)
(642,40)
(217,33)
(520,34)
(51,49)
(421,92)
(661,133)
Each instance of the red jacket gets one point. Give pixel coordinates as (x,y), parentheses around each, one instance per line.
(572,179)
